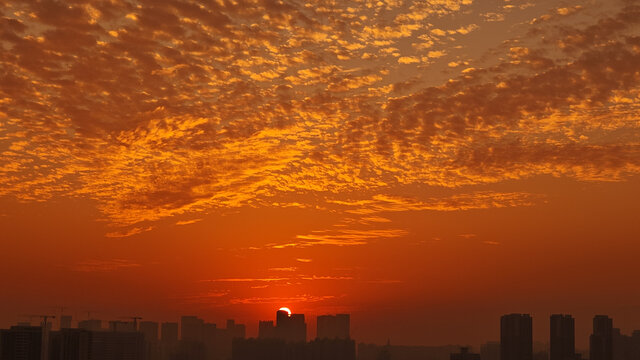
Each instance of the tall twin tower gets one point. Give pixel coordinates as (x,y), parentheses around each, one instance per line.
(516,338)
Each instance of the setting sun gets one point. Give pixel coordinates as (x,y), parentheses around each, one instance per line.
(285,309)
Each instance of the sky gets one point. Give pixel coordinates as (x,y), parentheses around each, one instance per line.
(423,165)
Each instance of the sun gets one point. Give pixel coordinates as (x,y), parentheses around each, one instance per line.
(285,309)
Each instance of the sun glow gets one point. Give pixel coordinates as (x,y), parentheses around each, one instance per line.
(285,309)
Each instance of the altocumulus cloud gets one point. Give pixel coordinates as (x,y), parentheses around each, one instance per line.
(156,109)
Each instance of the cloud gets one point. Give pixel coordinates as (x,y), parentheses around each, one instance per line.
(206,298)
(270,279)
(291,268)
(129,232)
(170,109)
(408,60)
(96,265)
(348,237)
(374,219)
(506,114)
(467,236)
(187,222)
(282,279)
(283,300)
(460,202)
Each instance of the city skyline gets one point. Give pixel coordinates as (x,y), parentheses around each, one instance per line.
(561,332)
(425,166)
(192,338)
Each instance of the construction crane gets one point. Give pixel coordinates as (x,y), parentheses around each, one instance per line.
(135,321)
(44,318)
(61,316)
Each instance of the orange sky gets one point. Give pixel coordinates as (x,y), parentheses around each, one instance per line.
(423,165)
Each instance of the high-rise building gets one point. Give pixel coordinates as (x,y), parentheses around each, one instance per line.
(601,341)
(225,337)
(65,322)
(191,328)
(490,350)
(333,326)
(168,340)
(122,326)
(70,344)
(635,344)
(299,327)
(282,318)
(266,330)
(209,336)
(388,351)
(623,346)
(150,331)
(235,330)
(318,349)
(169,332)
(290,327)
(516,337)
(562,337)
(464,354)
(21,343)
(111,345)
(209,332)
(91,325)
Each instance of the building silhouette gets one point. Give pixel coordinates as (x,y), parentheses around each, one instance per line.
(191,328)
(601,341)
(122,326)
(65,322)
(404,352)
(189,350)
(626,347)
(562,337)
(191,345)
(169,332)
(290,327)
(464,354)
(168,339)
(235,330)
(224,339)
(266,330)
(195,339)
(490,350)
(116,345)
(333,349)
(26,343)
(333,326)
(516,337)
(635,344)
(21,343)
(150,331)
(281,349)
(622,345)
(90,324)
(70,344)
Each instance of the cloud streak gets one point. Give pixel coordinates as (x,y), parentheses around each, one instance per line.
(96,265)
